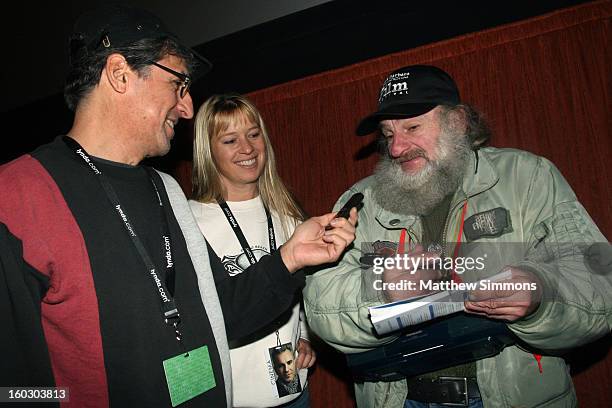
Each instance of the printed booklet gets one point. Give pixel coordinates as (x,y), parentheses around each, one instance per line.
(403,313)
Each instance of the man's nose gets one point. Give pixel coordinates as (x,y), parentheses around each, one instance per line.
(185,106)
(398,144)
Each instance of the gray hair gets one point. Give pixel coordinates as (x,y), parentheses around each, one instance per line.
(476,128)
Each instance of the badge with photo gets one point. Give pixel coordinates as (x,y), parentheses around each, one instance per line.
(283,362)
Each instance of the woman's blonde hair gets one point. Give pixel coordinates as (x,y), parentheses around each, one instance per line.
(214,117)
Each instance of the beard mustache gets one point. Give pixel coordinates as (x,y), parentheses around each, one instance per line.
(419,193)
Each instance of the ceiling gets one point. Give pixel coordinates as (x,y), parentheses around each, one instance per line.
(36,55)
(253,44)
(37,50)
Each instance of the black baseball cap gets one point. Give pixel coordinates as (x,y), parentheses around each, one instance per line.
(118,25)
(408,92)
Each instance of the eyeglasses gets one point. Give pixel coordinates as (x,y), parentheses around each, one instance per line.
(185,79)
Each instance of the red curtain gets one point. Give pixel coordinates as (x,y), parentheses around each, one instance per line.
(544,85)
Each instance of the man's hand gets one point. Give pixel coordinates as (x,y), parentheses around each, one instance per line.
(509,305)
(411,277)
(311,244)
(306,355)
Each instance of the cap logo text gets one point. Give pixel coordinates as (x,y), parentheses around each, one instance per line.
(393,85)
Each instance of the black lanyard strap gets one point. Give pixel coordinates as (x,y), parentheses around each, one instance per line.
(165,234)
(169,309)
(240,235)
(233,222)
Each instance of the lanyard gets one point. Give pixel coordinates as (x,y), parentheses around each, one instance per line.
(169,309)
(402,242)
(238,231)
(454,275)
(245,245)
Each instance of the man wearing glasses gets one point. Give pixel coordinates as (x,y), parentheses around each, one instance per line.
(108,286)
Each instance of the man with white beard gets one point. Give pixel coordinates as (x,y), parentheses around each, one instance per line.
(435,188)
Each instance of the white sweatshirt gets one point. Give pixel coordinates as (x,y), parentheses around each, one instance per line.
(253,376)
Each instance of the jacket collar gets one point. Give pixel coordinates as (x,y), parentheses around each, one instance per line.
(480,175)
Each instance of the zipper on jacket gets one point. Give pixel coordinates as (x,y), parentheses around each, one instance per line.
(446,222)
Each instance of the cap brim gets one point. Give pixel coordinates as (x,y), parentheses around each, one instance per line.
(370,123)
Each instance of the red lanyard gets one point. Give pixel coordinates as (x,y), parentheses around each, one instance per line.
(402,241)
(454,276)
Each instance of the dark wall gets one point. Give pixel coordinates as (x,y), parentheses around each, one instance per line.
(332,35)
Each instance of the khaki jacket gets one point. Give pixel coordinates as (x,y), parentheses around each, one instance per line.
(550,233)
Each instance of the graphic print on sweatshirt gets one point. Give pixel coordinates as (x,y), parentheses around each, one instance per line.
(235,264)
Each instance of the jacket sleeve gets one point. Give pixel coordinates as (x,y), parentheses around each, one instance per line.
(25,357)
(572,258)
(337,298)
(256,297)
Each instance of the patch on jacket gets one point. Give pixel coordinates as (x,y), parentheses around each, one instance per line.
(491,223)
(384,248)
(377,249)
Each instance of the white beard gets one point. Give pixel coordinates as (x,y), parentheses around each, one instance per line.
(418,194)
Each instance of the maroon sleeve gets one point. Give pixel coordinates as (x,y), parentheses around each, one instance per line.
(35,212)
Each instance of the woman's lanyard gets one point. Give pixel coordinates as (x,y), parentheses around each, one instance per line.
(169,309)
(238,231)
(243,242)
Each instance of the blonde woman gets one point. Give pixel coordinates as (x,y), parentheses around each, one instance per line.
(245,212)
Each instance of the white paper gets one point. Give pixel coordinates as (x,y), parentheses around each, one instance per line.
(398,315)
